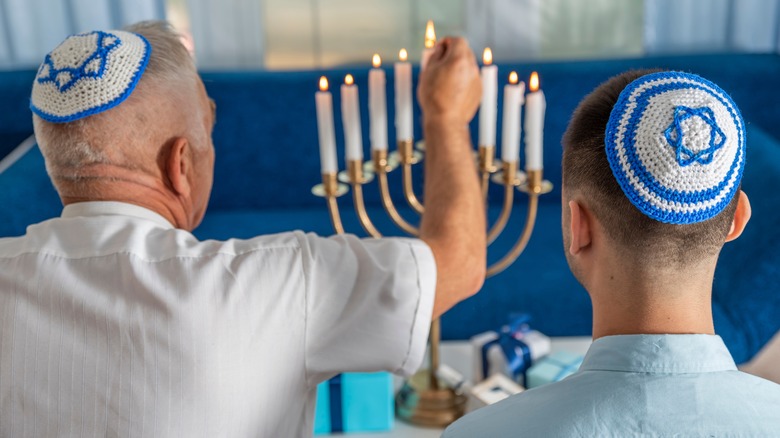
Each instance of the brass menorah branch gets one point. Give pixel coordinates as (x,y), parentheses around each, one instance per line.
(382,167)
(408,158)
(509,177)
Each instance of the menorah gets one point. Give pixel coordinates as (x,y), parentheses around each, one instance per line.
(425,399)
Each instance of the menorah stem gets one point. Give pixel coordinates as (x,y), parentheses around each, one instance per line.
(435,339)
(355,172)
(534,189)
(380,164)
(330,185)
(406,155)
(510,182)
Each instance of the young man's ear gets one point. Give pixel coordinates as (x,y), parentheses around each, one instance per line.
(178,167)
(580,228)
(741,217)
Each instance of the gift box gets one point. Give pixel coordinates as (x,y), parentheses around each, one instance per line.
(355,402)
(553,368)
(509,351)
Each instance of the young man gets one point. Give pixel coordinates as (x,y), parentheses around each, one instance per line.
(651,171)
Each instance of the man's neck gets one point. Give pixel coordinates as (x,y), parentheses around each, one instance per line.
(656,303)
(141,190)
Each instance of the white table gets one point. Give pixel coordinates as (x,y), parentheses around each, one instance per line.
(457,354)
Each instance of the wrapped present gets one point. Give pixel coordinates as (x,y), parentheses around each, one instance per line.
(553,368)
(509,351)
(355,402)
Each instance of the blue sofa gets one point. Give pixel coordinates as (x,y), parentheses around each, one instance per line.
(267,162)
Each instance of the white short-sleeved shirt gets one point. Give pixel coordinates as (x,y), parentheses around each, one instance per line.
(113,323)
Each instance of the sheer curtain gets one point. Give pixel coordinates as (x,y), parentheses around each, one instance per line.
(31,28)
(294,34)
(228,33)
(559,29)
(712,25)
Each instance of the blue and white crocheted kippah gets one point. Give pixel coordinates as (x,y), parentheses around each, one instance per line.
(676,145)
(88,73)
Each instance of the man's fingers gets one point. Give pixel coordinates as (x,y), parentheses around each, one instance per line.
(460,47)
(441,51)
(450,48)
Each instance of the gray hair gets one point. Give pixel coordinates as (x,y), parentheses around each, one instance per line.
(170,61)
(103,138)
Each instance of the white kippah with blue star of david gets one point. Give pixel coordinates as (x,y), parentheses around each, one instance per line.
(676,145)
(87,74)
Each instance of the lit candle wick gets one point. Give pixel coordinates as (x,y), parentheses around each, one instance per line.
(349,80)
(533,83)
(403,55)
(376,61)
(430,35)
(487,56)
(323,83)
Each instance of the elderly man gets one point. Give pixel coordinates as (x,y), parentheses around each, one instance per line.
(652,166)
(116,321)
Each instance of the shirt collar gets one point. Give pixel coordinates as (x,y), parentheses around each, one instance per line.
(110,208)
(663,354)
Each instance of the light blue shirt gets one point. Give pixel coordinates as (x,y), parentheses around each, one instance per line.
(639,385)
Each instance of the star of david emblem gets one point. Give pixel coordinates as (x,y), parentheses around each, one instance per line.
(695,135)
(88,64)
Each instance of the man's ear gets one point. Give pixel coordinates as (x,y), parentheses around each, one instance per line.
(741,217)
(580,228)
(178,167)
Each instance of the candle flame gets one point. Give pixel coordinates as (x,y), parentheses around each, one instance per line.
(376,61)
(323,83)
(487,56)
(430,35)
(349,80)
(513,77)
(403,55)
(533,83)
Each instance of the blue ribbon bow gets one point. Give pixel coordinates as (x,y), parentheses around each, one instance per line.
(517,352)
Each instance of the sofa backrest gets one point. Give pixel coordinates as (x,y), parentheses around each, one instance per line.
(266,133)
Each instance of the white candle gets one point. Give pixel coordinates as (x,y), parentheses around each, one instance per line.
(510,125)
(430,42)
(534,125)
(487,109)
(324,102)
(377,106)
(350,118)
(403,98)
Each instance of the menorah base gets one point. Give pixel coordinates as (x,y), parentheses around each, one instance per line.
(419,404)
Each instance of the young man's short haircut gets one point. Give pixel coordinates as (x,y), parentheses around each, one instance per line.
(587,175)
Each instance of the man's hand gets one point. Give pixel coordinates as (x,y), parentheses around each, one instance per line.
(454,221)
(449,86)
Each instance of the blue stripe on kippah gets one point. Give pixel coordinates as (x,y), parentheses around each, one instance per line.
(645,175)
(641,172)
(106,106)
(77,73)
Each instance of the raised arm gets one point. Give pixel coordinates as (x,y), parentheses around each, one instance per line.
(454,221)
